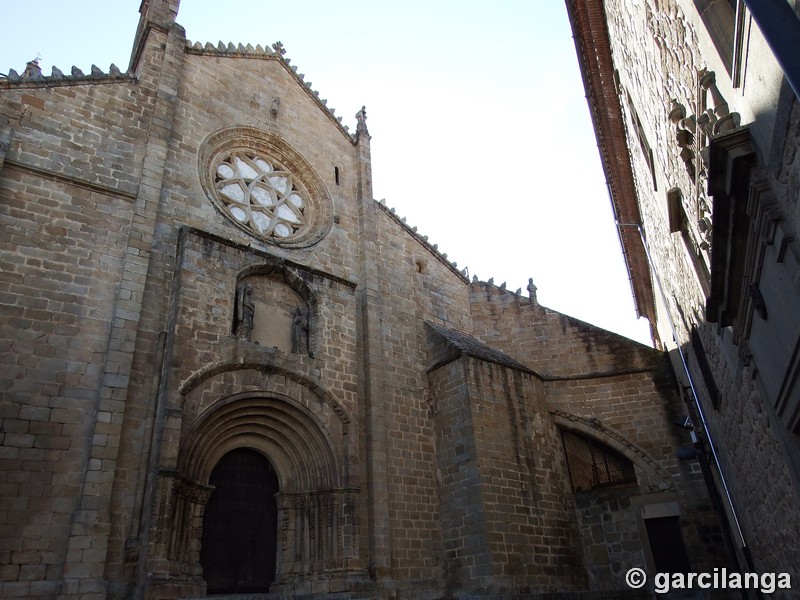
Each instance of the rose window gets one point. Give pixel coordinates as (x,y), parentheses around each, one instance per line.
(264,187)
(260,195)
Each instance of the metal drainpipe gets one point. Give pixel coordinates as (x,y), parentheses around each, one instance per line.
(742,544)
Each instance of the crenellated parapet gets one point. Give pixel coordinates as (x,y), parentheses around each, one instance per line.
(32,76)
(501,291)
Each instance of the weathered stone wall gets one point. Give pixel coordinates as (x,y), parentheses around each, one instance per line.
(413,286)
(60,273)
(637,416)
(70,180)
(507,519)
(752,449)
(658,51)
(218,91)
(621,393)
(203,347)
(611,538)
(529,516)
(785,173)
(75,119)
(549,342)
(466,554)
(213,385)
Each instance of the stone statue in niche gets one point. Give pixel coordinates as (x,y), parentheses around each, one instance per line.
(300,331)
(245,311)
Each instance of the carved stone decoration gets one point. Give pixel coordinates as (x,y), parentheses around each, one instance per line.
(531,291)
(704,226)
(300,331)
(191,498)
(685,128)
(677,111)
(693,134)
(278,48)
(264,187)
(260,194)
(719,117)
(361,122)
(245,312)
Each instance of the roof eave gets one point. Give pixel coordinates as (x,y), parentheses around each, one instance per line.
(587,18)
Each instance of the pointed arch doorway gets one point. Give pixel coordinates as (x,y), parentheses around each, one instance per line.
(239,543)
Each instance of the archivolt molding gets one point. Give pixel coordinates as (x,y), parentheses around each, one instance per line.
(278,269)
(595,429)
(284,431)
(269,365)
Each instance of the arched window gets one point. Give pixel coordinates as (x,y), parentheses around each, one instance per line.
(592,464)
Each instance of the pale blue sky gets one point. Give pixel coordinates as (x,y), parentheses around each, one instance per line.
(481,134)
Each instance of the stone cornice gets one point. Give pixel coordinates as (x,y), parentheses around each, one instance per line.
(72,180)
(186,230)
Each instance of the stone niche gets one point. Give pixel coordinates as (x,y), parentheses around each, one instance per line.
(275,314)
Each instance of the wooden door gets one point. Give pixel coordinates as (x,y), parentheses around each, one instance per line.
(239,542)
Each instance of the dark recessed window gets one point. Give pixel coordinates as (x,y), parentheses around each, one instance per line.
(679,223)
(592,464)
(641,136)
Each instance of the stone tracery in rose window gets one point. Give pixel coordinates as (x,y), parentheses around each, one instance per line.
(260,195)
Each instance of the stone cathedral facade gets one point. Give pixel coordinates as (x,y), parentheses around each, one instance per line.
(227,370)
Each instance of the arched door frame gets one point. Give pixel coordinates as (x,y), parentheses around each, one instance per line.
(315,527)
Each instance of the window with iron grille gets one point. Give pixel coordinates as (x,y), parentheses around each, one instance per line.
(592,464)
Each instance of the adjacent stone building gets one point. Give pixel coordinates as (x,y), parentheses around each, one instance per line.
(228,370)
(698,122)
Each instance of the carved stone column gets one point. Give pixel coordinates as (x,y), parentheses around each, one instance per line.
(317,542)
(187,533)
